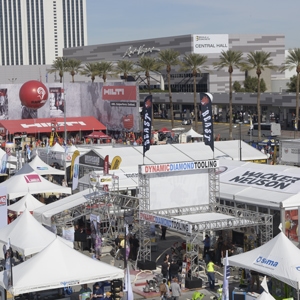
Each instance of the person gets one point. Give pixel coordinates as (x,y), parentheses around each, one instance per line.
(219,250)
(175,288)
(77,235)
(254,279)
(85,292)
(163,232)
(135,247)
(173,269)
(210,269)
(165,268)
(98,245)
(163,289)
(206,242)
(97,291)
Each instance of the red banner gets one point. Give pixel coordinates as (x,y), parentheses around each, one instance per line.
(119,93)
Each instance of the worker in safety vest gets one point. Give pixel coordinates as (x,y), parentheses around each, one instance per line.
(210,269)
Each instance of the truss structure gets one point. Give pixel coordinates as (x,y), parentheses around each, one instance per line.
(115,203)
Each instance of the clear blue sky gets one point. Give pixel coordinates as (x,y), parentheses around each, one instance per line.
(115,21)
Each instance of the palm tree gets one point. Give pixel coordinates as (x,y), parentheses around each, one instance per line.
(73,66)
(59,65)
(169,58)
(125,67)
(259,60)
(230,59)
(293,61)
(90,70)
(194,62)
(148,64)
(105,68)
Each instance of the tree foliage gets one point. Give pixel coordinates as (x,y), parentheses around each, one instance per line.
(292,84)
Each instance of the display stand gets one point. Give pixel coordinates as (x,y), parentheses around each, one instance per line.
(238,294)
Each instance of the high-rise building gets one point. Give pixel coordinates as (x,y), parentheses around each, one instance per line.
(34,32)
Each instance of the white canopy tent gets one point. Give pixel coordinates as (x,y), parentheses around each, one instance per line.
(278,258)
(44,214)
(27,202)
(194,134)
(27,235)
(57,148)
(58,266)
(42,168)
(26,180)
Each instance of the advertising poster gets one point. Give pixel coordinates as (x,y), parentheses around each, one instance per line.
(291,224)
(3,104)
(56,102)
(3,207)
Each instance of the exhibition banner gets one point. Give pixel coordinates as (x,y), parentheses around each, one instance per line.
(207,119)
(147,123)
(3,207)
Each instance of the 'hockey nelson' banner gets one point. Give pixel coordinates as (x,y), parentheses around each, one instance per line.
(207,120)
(147,116)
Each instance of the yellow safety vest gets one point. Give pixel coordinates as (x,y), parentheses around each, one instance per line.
(210,267)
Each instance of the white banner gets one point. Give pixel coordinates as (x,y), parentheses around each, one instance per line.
(3,206)
(290,152)
(210,43)
(265,178)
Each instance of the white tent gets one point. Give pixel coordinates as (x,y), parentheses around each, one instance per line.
(194,134)
(27,181)
(57,148)
(43,169)
(44,214)
(27,202)
(27,235)
(278,258)
(57,266)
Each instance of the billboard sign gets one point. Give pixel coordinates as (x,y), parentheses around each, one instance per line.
(210,43)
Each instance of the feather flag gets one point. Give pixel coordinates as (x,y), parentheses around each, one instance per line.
(128,286)
(225,291)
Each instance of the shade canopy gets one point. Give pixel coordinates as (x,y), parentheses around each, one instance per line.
(27,235)
(278,258)
(26,180)
(42,168)
(27,202)
(194,134)
(58,266)
(98,135)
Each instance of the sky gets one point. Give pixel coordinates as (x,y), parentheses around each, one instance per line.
(116,21)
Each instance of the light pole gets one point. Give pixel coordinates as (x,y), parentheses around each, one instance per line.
(240,129)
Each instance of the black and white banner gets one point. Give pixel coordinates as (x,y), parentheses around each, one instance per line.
(207,119)
(147,119)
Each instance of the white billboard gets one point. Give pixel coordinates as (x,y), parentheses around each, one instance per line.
(168,190)
(210,43)
(290,152)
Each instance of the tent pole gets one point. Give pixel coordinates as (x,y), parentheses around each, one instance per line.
(298,290)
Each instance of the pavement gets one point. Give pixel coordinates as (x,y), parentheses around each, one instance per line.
(138,278)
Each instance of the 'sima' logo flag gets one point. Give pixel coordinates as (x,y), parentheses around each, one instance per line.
(207,119)
(147,116)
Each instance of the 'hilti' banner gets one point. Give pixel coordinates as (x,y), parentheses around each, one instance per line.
(121,92)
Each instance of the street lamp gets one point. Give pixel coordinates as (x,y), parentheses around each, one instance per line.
(240,138)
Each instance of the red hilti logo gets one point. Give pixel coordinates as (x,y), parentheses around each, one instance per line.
(118,93)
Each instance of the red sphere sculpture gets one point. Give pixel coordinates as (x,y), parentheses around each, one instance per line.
(33,94)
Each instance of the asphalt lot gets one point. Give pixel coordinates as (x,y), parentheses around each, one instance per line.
(223,130)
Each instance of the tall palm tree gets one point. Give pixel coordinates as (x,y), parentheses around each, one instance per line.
(125,67)
(169,58)
(90,70)
(293,61)
(259,61)
(194,62)
(73,66)
(148,64)
(59,65)
(105,68)
(229,59)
